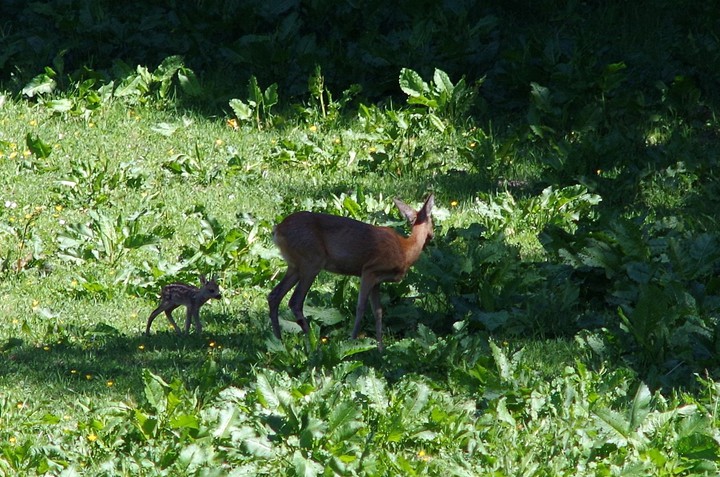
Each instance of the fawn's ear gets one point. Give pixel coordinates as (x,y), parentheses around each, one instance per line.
(203,280)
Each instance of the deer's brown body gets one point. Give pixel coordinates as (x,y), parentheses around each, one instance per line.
(311,242)
(189,296)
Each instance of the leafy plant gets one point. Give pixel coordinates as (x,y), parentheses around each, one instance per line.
(442,98)
(107,238)
(159,84)
(93,181)
(259,103)
(192,166)
(26,249)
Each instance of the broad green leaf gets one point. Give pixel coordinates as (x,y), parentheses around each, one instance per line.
(305,467)
(246,470)
(353,207)
(412,84)
(166,129)
(437,122)
(145,423)
(38,147)
(41,84)
(270,96)
(502,362)
(242,110)
(148,241)
(59,105)
(327,316)
(374,389)
(189,82)
(352,347)
(259,447)
(443,85)
(185,421)
(155,391)
(503,414)
(616,426)
(226,418)
(255,95)
(415,403)
(193,457)
(132,86)
(313,430)
(168,68)
(640,406)
(542,99)
(343,420)
(266,393)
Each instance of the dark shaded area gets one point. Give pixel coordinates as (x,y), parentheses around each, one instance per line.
(513,43)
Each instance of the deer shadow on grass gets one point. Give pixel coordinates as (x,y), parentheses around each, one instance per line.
(103,360)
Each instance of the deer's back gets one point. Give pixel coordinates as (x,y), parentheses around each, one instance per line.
(334,243)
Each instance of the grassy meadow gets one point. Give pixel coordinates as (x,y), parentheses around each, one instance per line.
(563,321)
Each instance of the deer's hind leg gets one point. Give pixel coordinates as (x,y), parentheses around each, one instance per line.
(168,313)
(276,296)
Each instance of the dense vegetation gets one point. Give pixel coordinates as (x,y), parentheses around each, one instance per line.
(564,321)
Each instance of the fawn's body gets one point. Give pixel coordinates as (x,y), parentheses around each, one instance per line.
(311,242)
(189,296)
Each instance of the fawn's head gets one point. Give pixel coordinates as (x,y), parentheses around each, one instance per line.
(210,287)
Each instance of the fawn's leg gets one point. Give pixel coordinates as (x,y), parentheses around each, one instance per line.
(151,318)
(188,317)
(168,310)
(193,314)
(168,313)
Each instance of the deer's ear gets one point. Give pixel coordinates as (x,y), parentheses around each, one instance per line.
(426,209)
(406,210)
(203,280)
(429,203)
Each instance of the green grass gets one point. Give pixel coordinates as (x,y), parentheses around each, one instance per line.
(84,391)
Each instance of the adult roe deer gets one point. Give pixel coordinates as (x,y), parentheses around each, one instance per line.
(182,294)
(310,242)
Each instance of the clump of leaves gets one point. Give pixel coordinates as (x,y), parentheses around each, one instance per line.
(23,248)
(160,85)
(91,181)
(108,239)
(644,277)
(257,109)
(443,99)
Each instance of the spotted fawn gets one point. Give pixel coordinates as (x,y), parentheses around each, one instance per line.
(189,296)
